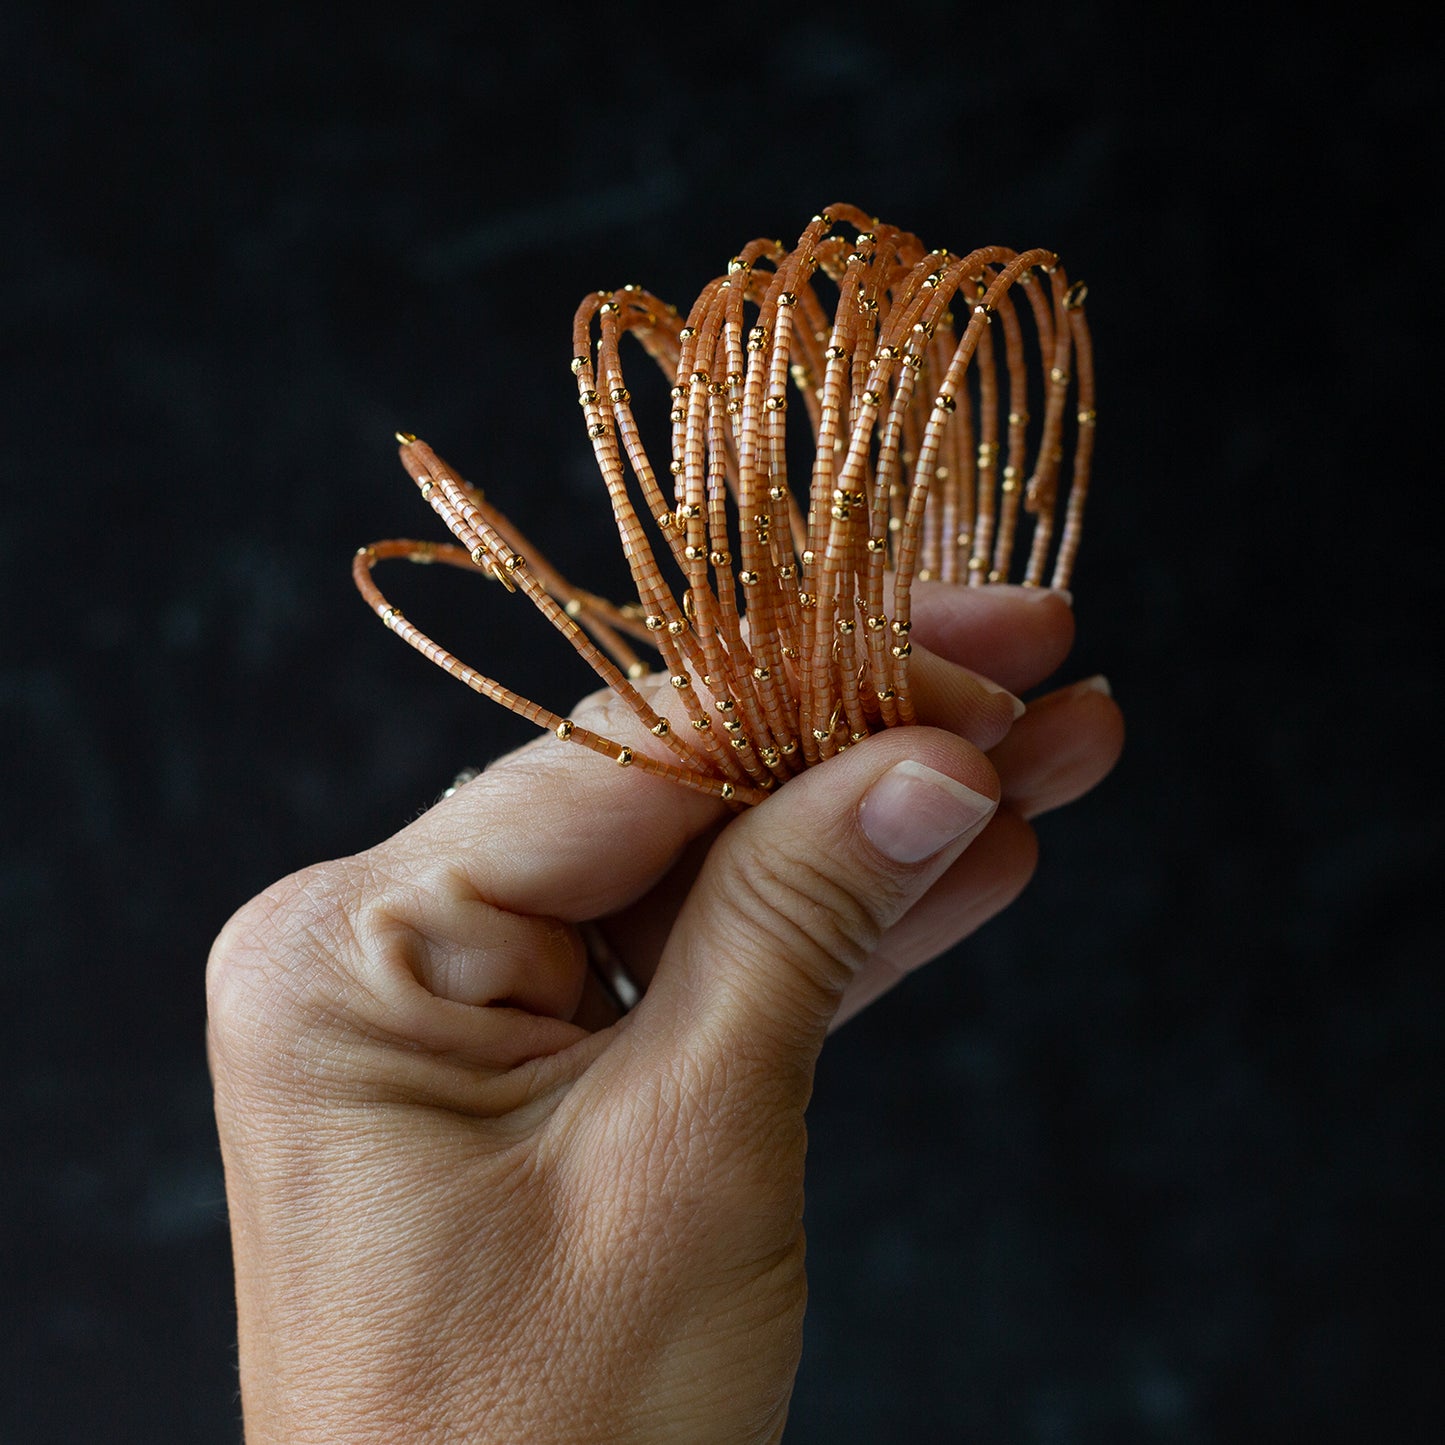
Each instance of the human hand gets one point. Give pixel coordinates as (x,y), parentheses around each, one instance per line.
(467,1202)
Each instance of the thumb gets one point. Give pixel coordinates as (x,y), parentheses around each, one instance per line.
(796,893)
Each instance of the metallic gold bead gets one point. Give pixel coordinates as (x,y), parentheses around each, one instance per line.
(944,402)
(726,791)
(598,431)
(677,626)
(903,649)
(725,704)
(777,494)
(1074,296)
(620,393)
(1058,375)
(624,757)
(876,544)
(680,680)
(406,438)
(573,607)
(741,744)
(661,728)
(887,695)
(479,555)
(1087,417)
(586,398)
(747,578)
(876,624)
(702,724)
(846,627)
(636,670)
(762,673)
(787,299)
(565,728)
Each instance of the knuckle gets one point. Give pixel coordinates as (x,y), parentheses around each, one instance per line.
(271,971)
(800,910)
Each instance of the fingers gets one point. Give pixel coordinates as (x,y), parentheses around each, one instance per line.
(983,882)
(1017,636)
(1065,745)
(794,897)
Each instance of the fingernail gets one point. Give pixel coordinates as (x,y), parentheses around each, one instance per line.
(1019,705)
(1097,683)
(912,811)
(1037,594)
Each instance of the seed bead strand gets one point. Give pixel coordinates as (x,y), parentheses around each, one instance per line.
(1041,498)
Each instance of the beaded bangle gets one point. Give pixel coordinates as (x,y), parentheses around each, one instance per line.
(770,615)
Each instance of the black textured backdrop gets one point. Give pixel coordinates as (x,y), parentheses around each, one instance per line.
(1152,1159)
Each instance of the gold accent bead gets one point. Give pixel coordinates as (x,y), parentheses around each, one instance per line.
(1087,417)
(636,670)
(573,607)
(624,757)
(702,724)
(887,694)
(565,728)
(762,673)
(846,627)
(680,680)
(1058,375)
(901,629)
(406,438)
(620,393)
(598,431)
(787,299)
(876,544)
(677,626)
(876,624)
(586,398)
(903,649)
(726,791)
(1074,296)
(944,402)
(661,728)
(747,578)
(653,622)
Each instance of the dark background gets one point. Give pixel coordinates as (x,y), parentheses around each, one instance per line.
(1153,1158)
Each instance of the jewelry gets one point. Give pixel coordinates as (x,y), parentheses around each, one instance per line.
(461,779)
(787,653)
(610,971)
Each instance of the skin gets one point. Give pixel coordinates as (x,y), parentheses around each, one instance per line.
(470,1203)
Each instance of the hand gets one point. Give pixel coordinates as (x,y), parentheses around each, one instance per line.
(468,1202)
